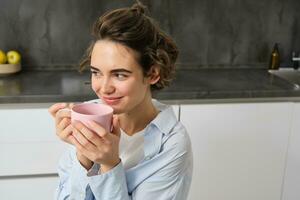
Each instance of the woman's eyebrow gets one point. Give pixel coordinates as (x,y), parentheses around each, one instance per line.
(121,70)
(112,71)
(94,68)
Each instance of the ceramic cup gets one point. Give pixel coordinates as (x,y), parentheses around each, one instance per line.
(99,113)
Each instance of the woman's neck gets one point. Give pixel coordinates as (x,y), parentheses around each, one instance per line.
(138,118)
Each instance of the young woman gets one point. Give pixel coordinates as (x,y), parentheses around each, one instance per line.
(148,153)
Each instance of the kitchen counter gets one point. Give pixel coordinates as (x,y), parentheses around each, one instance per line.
(189,86)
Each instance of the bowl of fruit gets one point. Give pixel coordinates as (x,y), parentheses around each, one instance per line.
(10,62)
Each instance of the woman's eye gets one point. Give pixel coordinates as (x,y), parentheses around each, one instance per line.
(95,73)
(121,76)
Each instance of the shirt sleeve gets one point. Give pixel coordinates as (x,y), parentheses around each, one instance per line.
(73,179)
(110,185)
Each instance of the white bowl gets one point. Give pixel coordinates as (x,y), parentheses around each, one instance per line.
(6,69)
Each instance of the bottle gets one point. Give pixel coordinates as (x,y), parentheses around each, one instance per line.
(274,61)
(295,61)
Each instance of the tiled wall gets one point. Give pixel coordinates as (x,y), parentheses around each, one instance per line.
(210,33)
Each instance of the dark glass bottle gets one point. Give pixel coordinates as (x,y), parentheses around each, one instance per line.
(295,62)
(275,58)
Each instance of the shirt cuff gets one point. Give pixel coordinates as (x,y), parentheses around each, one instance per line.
(94,170)
(109,184)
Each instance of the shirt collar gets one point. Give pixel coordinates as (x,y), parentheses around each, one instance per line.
(166,119)
(157,129)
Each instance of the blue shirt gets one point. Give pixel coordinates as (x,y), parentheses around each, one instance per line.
(164,173)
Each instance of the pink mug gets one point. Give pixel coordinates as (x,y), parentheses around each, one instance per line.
(99,113)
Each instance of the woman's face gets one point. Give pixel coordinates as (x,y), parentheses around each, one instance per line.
(117,78)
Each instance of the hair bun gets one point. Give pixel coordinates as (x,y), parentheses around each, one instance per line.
(139,7)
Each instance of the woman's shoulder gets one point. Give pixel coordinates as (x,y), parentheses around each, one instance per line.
(177,139)
(172,130)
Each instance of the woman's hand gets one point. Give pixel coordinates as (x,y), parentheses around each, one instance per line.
(97,144)
(62,114)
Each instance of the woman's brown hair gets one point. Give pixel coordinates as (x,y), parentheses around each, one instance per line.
(133,28)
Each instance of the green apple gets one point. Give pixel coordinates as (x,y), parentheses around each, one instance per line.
(13,57)
(3,58)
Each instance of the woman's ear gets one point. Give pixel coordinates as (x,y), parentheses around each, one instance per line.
(154,74)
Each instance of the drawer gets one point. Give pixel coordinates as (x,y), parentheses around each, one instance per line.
(26,125)
(33,188)
(23,158)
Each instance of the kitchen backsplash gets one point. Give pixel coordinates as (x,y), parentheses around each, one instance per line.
(209,33)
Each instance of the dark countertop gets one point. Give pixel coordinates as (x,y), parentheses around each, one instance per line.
(189,86)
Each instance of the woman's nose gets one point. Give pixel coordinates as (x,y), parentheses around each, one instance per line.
(107,86)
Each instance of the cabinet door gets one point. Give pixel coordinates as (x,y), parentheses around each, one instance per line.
(292,176)
(28,143)
(29,152)
(33,188)
(239,149)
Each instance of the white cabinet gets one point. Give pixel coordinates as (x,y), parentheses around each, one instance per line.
(239,149)
(28,144)
(291,189)
(29,152)
(33,188)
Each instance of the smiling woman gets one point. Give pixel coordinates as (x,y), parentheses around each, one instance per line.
(119,80)
(147,154)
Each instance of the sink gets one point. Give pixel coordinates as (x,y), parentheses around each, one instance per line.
(289,74)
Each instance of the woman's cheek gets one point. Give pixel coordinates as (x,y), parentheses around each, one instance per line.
(124,88)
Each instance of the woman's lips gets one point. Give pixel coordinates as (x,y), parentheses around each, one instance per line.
(111,100)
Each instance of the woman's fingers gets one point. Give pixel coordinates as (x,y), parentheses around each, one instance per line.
(98,129)
(82,150)
(61,114)
(64,129)
(63,123)
(86,137)
(56,107)
(65,133)
(59,106)
(81,139)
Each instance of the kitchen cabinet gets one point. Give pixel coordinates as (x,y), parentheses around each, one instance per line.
(29,152)
(239,149)
(28,144)
(33,188)
(291,189)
